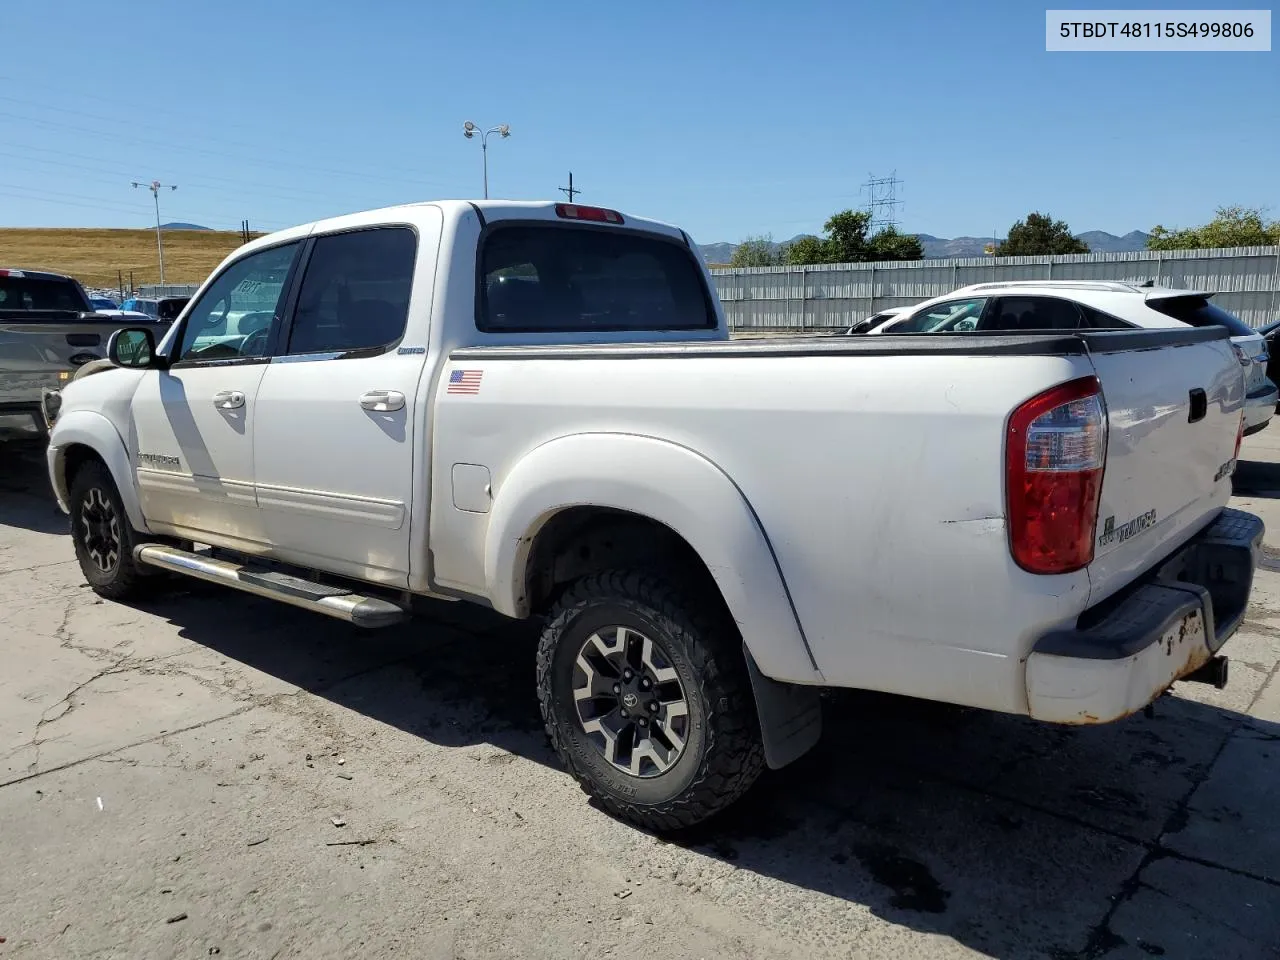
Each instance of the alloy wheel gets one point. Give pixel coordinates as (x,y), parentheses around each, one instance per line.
(630,701)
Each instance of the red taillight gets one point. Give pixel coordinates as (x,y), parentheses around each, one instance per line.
(1055,449)
(572,211)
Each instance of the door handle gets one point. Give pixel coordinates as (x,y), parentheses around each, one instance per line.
(383,401)
(228,399)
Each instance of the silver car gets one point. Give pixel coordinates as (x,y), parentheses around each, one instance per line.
(1250,345)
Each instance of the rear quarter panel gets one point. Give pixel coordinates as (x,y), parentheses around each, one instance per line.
(878,479)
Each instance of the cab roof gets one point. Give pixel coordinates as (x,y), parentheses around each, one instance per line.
(489,211)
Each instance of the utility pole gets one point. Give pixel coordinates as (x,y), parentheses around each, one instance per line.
(155,186)
(570,188)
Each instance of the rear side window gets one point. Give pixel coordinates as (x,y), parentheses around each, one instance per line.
(1097,320)
(355,293)
(1199,312)
(572,279)
(1032,313)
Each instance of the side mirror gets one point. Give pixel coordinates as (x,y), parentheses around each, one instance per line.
(132,347)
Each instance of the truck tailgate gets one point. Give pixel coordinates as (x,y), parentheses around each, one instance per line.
(34,353)
(1174,403)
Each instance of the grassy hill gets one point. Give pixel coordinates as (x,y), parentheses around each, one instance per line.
(94,256)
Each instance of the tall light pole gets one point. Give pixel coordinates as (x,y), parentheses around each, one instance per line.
(469,130)
(155,186)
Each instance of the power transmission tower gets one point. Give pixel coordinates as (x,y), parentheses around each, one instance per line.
(882,200)
(570,189)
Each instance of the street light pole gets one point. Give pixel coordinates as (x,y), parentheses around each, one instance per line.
(155,186)
(469,130)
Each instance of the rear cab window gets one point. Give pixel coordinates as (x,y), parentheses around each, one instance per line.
(41,294)
(551,277)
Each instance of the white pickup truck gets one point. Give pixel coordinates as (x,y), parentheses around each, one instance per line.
(537,407)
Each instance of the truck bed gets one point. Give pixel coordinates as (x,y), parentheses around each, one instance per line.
(876,467)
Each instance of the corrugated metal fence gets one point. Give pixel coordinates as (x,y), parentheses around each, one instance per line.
(1245,281)
(168,289)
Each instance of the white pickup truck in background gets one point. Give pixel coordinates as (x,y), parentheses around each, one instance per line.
(537,407)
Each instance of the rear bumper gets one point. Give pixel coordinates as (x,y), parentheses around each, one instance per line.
(1127,652)
(25,411)
(1259,407)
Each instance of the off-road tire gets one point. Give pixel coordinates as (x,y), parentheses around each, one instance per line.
(126,579)
(723,754)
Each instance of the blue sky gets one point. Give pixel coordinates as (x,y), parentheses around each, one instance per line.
(729,119)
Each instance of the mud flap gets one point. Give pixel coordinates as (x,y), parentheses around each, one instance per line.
(790,716)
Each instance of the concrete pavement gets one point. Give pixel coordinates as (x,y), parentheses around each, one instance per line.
(214,775)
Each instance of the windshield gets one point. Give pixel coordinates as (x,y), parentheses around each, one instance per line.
(41,293)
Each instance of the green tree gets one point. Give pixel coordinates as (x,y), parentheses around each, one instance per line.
(756,252)
(846,240)
(1040,234)
(805,251)
(1230,227)
(889,244)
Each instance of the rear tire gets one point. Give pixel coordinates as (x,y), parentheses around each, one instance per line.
(103,538)
(646,698)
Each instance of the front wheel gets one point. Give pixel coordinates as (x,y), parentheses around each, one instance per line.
(646,698)
(102,536)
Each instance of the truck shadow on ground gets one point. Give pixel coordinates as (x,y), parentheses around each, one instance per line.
(1256,478)
(1009,836)
(25,498)
(1012,838)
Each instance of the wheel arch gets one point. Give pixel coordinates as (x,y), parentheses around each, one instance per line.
(615,480)
(84,435)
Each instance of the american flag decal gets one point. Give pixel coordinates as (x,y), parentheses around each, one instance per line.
(464,381)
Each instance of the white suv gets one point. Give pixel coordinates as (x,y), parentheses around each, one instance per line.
(1042,305)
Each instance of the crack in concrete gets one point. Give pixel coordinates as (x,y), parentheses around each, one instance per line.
(1102,938)
(36,566)
(126,666)
(129,746)
(1211,918)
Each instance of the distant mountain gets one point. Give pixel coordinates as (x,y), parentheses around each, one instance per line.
(183,226)
(936,248)
(1100,241)
(717,252)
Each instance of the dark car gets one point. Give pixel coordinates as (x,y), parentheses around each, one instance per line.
(165,309)
(1271,334)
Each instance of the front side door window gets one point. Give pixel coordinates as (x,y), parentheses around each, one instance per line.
(236,316)
(950,315)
